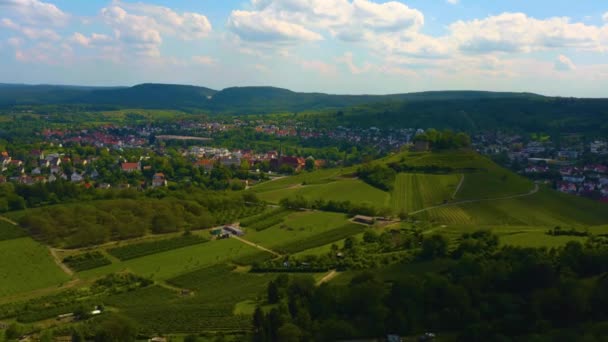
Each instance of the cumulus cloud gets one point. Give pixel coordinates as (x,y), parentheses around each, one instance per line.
(516,32)
(318,66)
(93,40)
(257,27)
(185,26)
(30,32)
(564,63)
(605,17)
(34,12)
(453,2)
(140,27)
(305,19)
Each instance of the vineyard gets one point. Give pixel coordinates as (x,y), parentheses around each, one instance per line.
(86,261)
(216,291)
(353,190)
(546,208)
(265,220)
(233,215)
(321,239)
(312,227)
(417,191)
(139,250)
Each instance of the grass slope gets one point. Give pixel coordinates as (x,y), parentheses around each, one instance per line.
(353,190)
(171,263)
(417,191)
(304,230)
(546,208)
(26,265)
(9,231)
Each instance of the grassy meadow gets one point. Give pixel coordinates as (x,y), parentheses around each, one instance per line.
(26,265)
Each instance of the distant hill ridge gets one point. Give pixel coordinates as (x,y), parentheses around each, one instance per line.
(233,100)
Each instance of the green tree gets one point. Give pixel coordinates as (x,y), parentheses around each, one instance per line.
(289,332)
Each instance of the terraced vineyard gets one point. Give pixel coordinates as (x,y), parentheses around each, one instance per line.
(216,292)
(417,191)
(546,208)
(303,230)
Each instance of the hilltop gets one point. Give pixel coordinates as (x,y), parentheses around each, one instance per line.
(237,100)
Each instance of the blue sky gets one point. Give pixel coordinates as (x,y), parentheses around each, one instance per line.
(555,47)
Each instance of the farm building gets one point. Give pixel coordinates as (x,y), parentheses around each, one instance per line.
(421,146)
(364,219)
(232,230)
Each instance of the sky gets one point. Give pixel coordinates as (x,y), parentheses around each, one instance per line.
(551,47)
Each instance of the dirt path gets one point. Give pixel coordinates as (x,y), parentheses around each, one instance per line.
(458,187)
(329,276)
(247,242)
(5,219)
(57,260)
(532,192)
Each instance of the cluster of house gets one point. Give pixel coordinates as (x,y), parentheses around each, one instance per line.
(209,157)
(557,164)
(587,180)
(104,136)
(384,139)
(49,168)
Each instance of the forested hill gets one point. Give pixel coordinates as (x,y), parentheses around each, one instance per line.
(236,100)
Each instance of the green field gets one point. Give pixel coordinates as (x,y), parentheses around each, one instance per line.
(9,231)
(26,265)
(417,191)
(545,208)
(352,190)
(316,177)
(304,230)
(165,265)
(217,291)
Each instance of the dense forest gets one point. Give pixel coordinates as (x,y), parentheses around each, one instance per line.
(482,292)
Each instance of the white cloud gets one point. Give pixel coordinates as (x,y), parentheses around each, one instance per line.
(605,17)
(257,27)
(516,32)
(94,39)
(185,26)
(30,32)
(564,63)
(348,21)
(204,60)
(34,12)
(140,27)
(453,2)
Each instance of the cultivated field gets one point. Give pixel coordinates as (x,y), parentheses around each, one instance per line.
(352,190)
(417,191)
(165,265)
(546,208)
(304,230)
(26,265)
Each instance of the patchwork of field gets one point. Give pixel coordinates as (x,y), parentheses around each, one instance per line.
(168,264)
(417,191)
(306,178)
(26,265)
(216,292)
(353,190)
(546,208)
(305,230)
